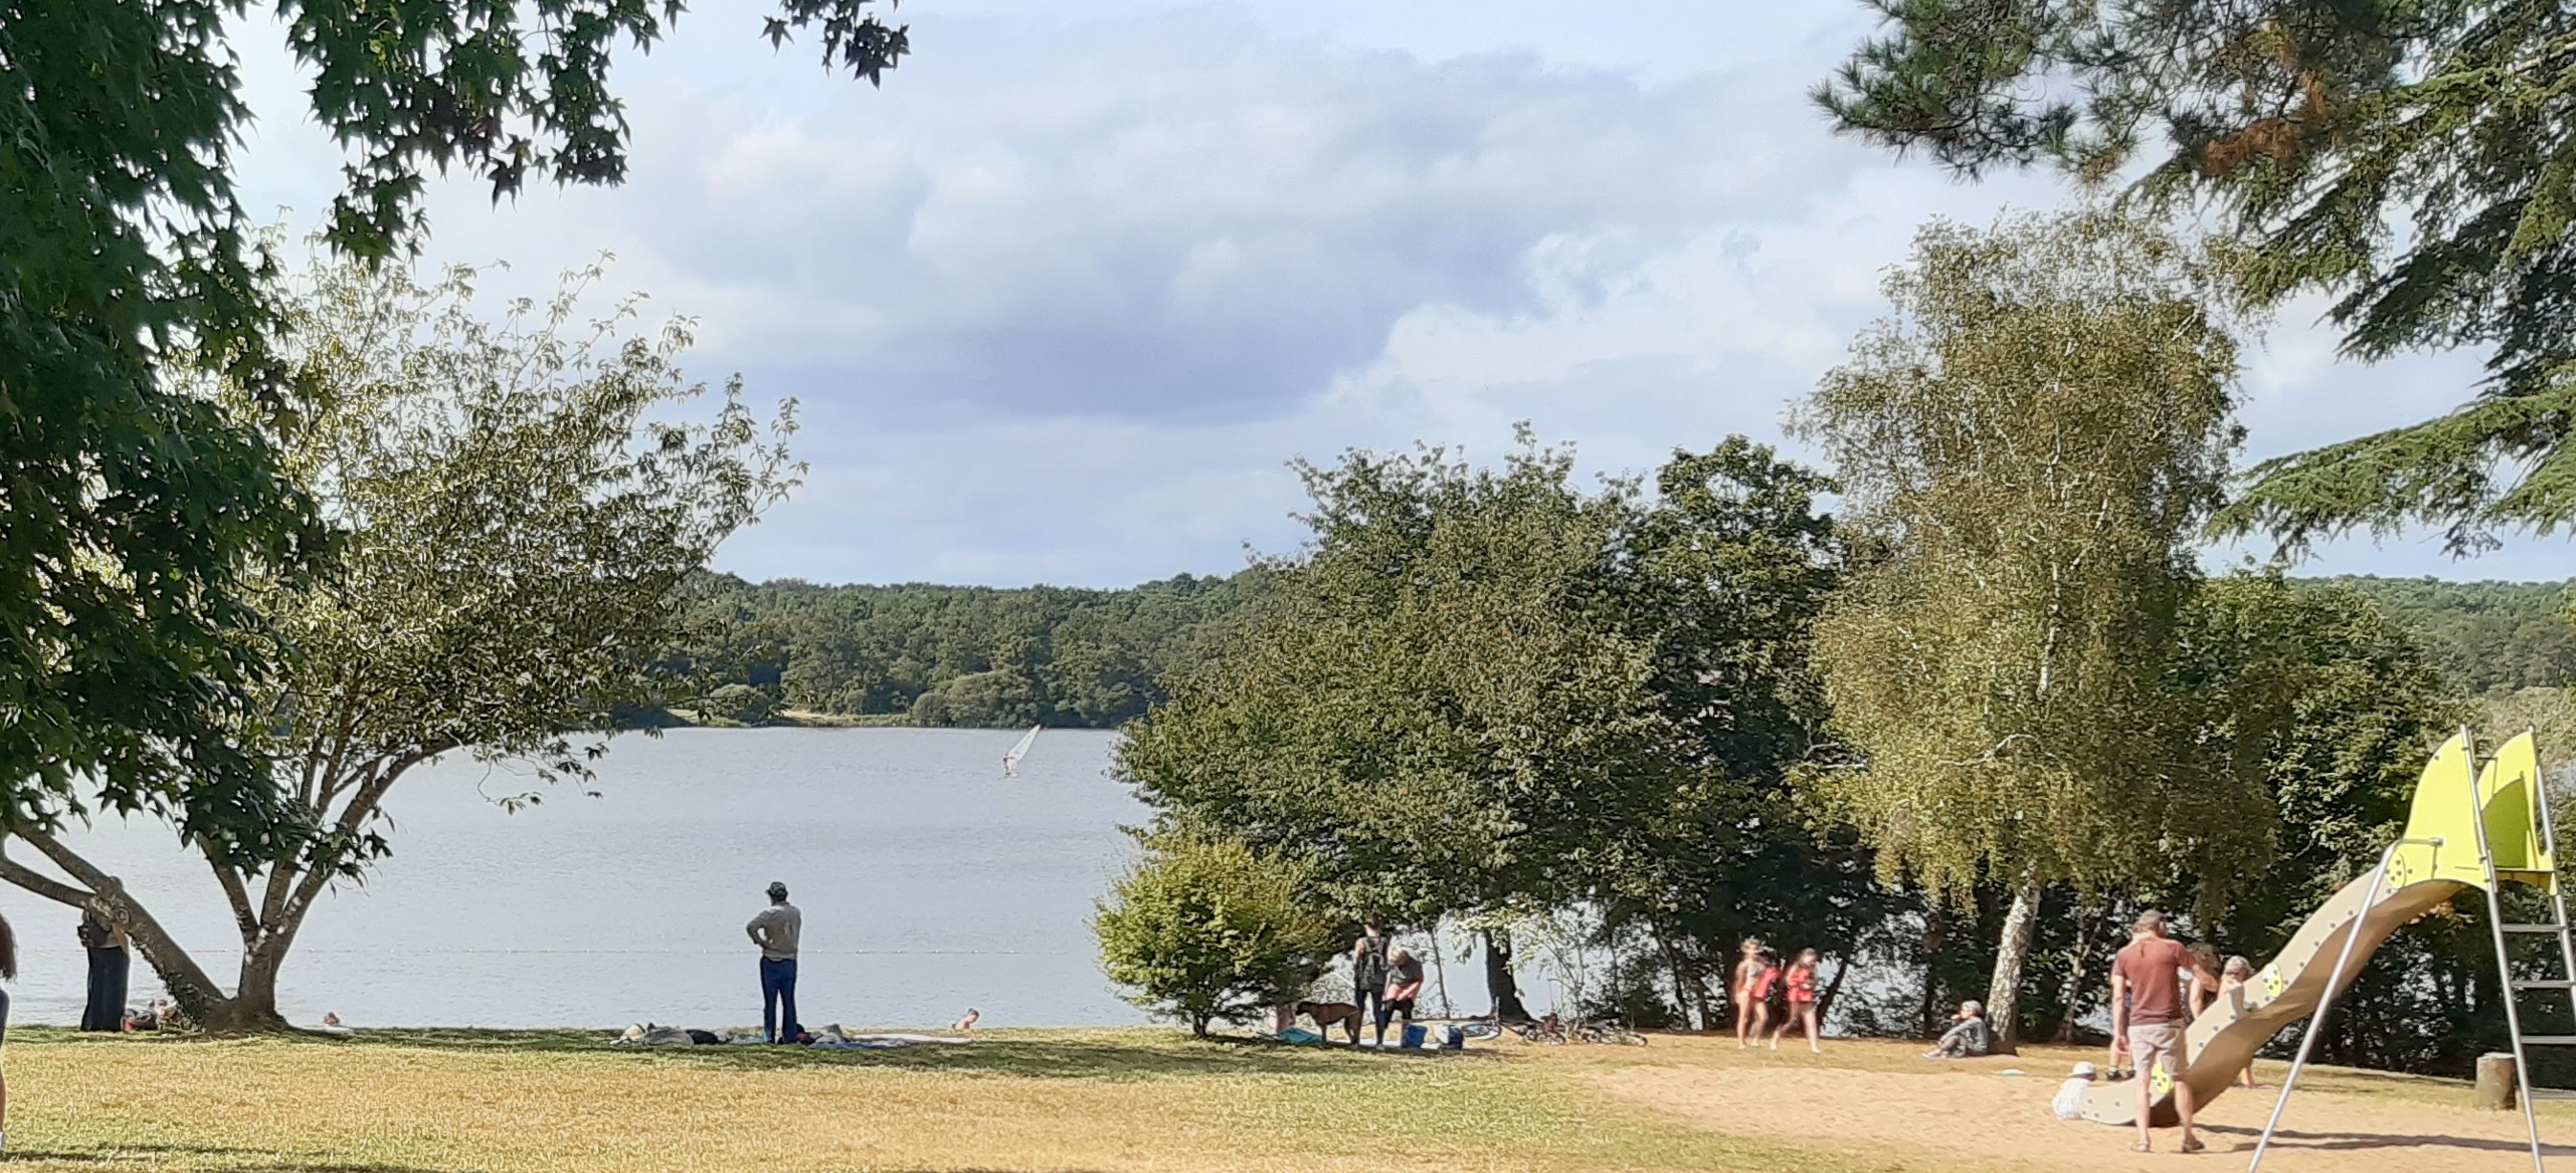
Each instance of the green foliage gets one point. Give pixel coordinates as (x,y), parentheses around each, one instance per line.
(133,511)
(517,506)
(1437,705)
(2029,445)
(1723,576)
(1487,694)
(2484,636)
(1208,930)
(2415,160)
(737,704)
(2344,707)
(939,655)
(140,516)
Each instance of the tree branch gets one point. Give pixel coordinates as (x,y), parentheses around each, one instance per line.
(187,980)
(40,883)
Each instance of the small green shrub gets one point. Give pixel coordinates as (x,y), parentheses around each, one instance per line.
(1201,931)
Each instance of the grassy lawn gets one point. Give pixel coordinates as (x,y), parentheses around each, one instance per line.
(1143,1100)
(396,1101)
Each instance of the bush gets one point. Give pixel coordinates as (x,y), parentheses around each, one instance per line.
(1201,931)
(737,704)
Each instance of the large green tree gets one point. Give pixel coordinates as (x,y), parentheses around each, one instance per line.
(1722,575)
(2413,159)
(1436,704)
(517,505)
(2028,445)
(132,513)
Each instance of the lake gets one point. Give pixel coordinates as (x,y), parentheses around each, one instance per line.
(929,882)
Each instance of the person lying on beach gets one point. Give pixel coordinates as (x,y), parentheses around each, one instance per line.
(1966,1038)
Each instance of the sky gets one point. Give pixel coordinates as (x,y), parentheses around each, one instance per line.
(1063,299)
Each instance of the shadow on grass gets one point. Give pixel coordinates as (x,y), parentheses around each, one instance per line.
(1049,1057)
(232,1158)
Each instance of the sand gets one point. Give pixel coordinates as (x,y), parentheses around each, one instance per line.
(1880,1100)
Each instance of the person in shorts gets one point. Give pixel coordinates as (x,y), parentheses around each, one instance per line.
(1403,985)
(2146,986)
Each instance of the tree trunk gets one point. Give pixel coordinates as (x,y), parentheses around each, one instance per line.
(1498,978)
(1694,1011)
(2074,987)
(251,1007)
(2003,994)
(1933,938)
(1825,1000)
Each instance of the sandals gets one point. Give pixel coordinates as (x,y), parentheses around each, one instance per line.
(2142,1147)
(2193,1145)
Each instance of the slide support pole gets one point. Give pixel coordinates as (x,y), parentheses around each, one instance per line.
(2334,981)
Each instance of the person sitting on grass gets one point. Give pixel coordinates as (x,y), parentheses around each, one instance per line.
(1966,1038)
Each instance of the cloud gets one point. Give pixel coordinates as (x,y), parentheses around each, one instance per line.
(1063,298)
(1176,217)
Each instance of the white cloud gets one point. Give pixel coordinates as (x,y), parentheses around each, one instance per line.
(1064,296)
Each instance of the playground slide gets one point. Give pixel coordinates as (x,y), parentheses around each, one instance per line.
(2436,860)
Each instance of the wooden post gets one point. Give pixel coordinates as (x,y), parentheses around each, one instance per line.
(2495,1082)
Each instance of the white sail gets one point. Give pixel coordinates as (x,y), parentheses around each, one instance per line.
(1011,760)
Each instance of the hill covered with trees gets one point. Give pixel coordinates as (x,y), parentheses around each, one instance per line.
(2484,636)
(942,655)
(920,654)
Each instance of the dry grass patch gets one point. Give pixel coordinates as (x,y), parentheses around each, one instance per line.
(1144,1100)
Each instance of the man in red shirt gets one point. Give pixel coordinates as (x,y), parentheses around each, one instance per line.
(2146,1007)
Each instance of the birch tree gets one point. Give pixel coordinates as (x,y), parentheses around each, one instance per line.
(2028,442)
(515,509)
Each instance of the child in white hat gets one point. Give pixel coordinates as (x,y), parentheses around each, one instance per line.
(2070,1094)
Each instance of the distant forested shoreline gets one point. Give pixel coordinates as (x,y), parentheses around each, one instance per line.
(917,654)
(793,652)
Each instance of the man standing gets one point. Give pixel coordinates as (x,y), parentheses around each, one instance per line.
(775,930)
(2146,1000)
(1403,985)
(1368,974)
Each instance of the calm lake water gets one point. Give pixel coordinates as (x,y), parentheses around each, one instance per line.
(929,882)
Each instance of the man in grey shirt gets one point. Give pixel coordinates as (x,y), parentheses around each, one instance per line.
(775,930)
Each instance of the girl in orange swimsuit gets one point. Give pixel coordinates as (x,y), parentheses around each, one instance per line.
(1801,980)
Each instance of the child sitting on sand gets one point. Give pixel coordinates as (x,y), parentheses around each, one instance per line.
(2069,1104)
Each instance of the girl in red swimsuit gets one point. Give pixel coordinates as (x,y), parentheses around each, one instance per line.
(1801,980)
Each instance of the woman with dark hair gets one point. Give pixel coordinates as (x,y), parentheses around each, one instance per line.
(108,967)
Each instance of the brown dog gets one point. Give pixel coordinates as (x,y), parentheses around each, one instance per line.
(1326,1014)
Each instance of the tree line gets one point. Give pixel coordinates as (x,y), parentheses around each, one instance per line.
(918,654)
(925,654)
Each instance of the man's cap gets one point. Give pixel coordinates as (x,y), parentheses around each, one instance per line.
(778,890)
(2084,1071)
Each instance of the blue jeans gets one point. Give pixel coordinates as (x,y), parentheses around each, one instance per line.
(777,994)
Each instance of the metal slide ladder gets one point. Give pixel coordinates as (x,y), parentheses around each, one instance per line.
(2558,926)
